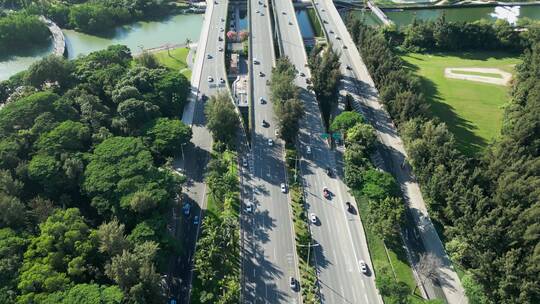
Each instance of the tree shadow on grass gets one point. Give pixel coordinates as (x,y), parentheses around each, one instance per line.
(463,130)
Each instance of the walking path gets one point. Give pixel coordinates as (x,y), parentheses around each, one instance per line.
(461,73)
(58,36)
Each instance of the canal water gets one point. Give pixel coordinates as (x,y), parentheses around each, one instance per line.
(148,34)
(305,25)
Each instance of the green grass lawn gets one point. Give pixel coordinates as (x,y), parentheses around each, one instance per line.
(176,60)
(395,259)
(472,110)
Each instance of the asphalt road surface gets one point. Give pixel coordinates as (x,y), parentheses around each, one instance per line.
(338,232)
(359,84)
(269,255)
(197,152)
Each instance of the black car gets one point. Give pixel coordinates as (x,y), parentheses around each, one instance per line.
(350,207)
(329,171)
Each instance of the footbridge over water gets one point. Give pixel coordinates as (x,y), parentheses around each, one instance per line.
(59,39)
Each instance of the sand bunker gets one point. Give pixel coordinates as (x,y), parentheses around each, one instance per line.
(455,73)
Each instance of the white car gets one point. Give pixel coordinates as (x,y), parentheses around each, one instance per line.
(276,132)
(261,74)
(283,188)
(292,283)
(261,100)
(244,162)
(210,79)
(220,49)
(221,80)
(313,218)
(363,266)
(255,61)
(270,142)
(257,11)
(308,149)
(249,207)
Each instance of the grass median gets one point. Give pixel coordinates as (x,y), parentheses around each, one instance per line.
(308,273)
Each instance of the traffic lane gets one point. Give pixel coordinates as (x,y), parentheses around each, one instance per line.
(339,281)
(277,256)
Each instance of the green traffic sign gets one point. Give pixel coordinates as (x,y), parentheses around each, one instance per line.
(325,135)
(336,136)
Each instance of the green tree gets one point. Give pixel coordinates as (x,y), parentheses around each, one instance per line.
(363,135)
(12,247)
(167,136)
(62,252)
(111,238)
(325,75)
(289,114)
(13,211)
(137,112)
(50,69)
(135,274)
(222,119)
(88,294)
(386,216)
(22,114)
(345,121)
(394,292)
(378,185)
(120,167)
(21,30)
(68,136)
(148,60)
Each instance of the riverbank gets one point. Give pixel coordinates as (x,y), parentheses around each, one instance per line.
(174,30)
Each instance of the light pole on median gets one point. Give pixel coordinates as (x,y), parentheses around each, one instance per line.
(309,248)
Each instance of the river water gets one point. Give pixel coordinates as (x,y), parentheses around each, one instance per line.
(467,14)
(146,34)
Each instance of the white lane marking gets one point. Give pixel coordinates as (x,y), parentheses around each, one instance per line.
(363,284)
(365,296)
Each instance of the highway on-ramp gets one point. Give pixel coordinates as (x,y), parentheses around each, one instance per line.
(338,233)
(269,255)
(359,84)
(196,154)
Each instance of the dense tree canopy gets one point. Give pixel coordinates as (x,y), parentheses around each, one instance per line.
(222,119)
(488,206)
(83,190)
(284,94)
(21,30)
(325,76)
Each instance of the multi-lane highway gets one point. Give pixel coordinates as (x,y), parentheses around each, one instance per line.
(269,255)
(338,233)
(359,84)
(209,61)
